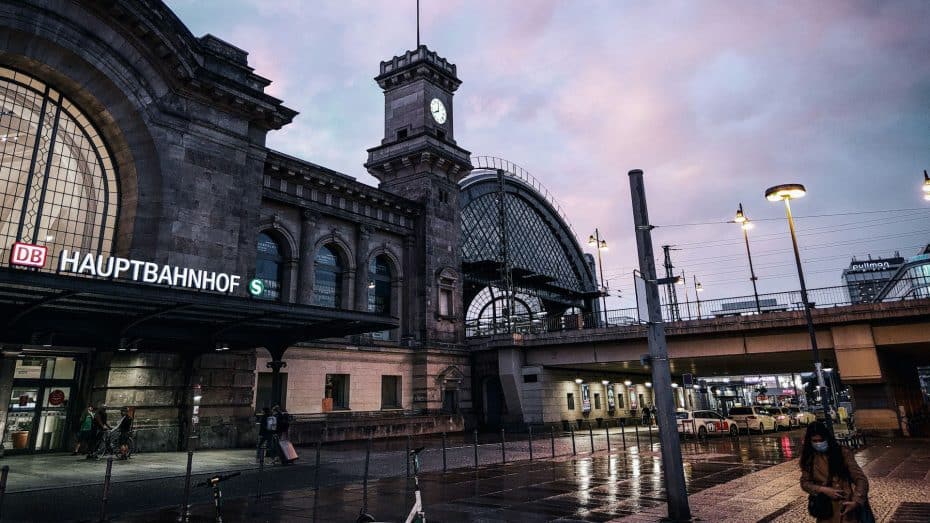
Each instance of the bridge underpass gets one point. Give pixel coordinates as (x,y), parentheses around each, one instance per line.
(874,348)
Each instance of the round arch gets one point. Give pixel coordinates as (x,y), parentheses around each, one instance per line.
(346,261)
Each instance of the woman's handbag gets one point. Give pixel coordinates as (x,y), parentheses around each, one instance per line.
(820,506)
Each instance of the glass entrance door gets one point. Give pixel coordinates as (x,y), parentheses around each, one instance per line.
(39,404)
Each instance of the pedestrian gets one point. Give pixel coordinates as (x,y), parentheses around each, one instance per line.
(119,436)
(100,430)
(267,424)
(85,431)
(646,414)
(282,435)
(837,487)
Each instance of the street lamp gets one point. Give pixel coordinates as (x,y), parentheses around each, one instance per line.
(595,241)
(926,186)
(745,224)
(698,288)
(785,193)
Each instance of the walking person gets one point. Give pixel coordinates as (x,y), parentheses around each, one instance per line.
(85,431)
(646,414)
(267,424)
(837,486)
(286,449)
(100,430)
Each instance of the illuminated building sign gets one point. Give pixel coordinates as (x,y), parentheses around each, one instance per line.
(146,272)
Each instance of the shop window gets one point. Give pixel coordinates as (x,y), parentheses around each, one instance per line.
(390,392)
(268,267)
(571,401)
(327,271)
(59,185)
(337,388)
(597,401)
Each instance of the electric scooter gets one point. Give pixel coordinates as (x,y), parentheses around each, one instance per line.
(416,515)
(214,482)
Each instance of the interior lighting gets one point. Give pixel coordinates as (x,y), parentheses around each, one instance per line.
(579,381)
(649,384)
(674,385)
(371,284)
(627,383)
(605,382)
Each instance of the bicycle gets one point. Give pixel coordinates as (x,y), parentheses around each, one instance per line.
(214,483)
(112,442)
(417,514)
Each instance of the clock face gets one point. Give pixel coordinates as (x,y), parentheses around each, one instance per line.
(438,110)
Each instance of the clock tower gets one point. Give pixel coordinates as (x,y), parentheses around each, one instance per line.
(420,160)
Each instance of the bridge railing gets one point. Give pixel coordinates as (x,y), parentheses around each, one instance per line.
(698,309)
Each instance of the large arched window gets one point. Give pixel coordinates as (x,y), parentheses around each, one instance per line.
(268,267)
(327,275)
(58,184)
(379,285)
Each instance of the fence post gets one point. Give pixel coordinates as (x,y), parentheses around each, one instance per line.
(650,435)
(636,430)
(623,432)
(316,471)
(106,489)
(607,435)
(365,479)
(476,448)
(531,442)
(443,451)
(407,455)
(187,485)
(591,435)
(503,444)
(552,439)
(4,472)
(572,430)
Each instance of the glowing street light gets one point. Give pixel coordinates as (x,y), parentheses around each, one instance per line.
(595,241)
(745,224)
(785,193)
(926,186)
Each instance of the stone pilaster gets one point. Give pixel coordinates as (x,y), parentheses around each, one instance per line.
(363,239)
(308,221)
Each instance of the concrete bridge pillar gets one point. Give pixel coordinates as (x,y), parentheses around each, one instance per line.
(510,368)
(859,366)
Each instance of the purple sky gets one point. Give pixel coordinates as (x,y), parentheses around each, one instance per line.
(715,101)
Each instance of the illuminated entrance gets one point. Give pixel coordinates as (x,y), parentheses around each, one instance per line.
(40,407)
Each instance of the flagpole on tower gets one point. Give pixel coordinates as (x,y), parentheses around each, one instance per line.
(418,24)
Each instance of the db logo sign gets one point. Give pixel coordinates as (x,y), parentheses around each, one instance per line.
(28,255)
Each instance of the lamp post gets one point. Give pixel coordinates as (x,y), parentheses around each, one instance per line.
(745,224)
(683,282)
(698,288)
(785,193)
(595,241)
(926,186)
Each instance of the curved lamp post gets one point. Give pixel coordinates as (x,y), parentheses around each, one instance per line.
(786,193)
(745,224)
(601,245)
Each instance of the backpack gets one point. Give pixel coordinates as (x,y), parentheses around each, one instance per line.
(271,423)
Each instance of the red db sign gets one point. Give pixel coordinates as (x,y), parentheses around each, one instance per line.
(28,255)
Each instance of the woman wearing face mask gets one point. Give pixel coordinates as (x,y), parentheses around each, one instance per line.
(831,470)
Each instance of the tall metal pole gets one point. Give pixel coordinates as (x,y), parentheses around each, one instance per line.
(600,265)
(684,282)
(674,313)
(752,272)
(697,294)
(818,366)
(674,475)
(504,249)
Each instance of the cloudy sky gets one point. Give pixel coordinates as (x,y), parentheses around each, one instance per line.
(715,101)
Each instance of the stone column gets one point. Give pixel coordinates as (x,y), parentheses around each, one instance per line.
(308,221)
(276,390)
(858,365)
(362,240)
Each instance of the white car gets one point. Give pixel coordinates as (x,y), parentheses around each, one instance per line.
(752,418)
(804,417)
(705,422)
(783,418)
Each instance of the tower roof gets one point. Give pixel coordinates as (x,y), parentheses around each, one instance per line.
(418,63)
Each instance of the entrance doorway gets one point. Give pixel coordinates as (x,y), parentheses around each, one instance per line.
(38,415)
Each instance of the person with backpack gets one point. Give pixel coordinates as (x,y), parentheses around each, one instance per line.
(287,453)
(85,437)
(267,426)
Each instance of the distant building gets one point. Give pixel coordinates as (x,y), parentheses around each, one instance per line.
(864,278)
(910,281)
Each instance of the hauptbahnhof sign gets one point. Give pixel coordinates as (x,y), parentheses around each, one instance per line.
(90,264)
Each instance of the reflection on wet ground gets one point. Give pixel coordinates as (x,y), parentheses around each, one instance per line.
(597,487)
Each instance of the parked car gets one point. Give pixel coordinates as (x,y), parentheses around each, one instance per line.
(705,422)
(804,417)
(752,418)
(783,418)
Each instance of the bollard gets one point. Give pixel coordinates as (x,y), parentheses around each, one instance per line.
(607,435)
(623,432)
(572,430)
(106,489)
(650,435)
(443,451)
(591,436)
(4,472)
(261,469)
(476,448)
(503,443)
(365,479)
(552,439)
(316,471)
(531,443)
(636,429)
(185,513)
(407,455)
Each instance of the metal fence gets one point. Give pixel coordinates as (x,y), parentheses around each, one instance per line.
(697,309)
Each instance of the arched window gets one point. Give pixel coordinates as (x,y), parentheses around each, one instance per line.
(327,272)
(379,285)
(57,181)
(268,263)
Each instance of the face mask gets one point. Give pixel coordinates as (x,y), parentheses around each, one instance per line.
(821,446)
